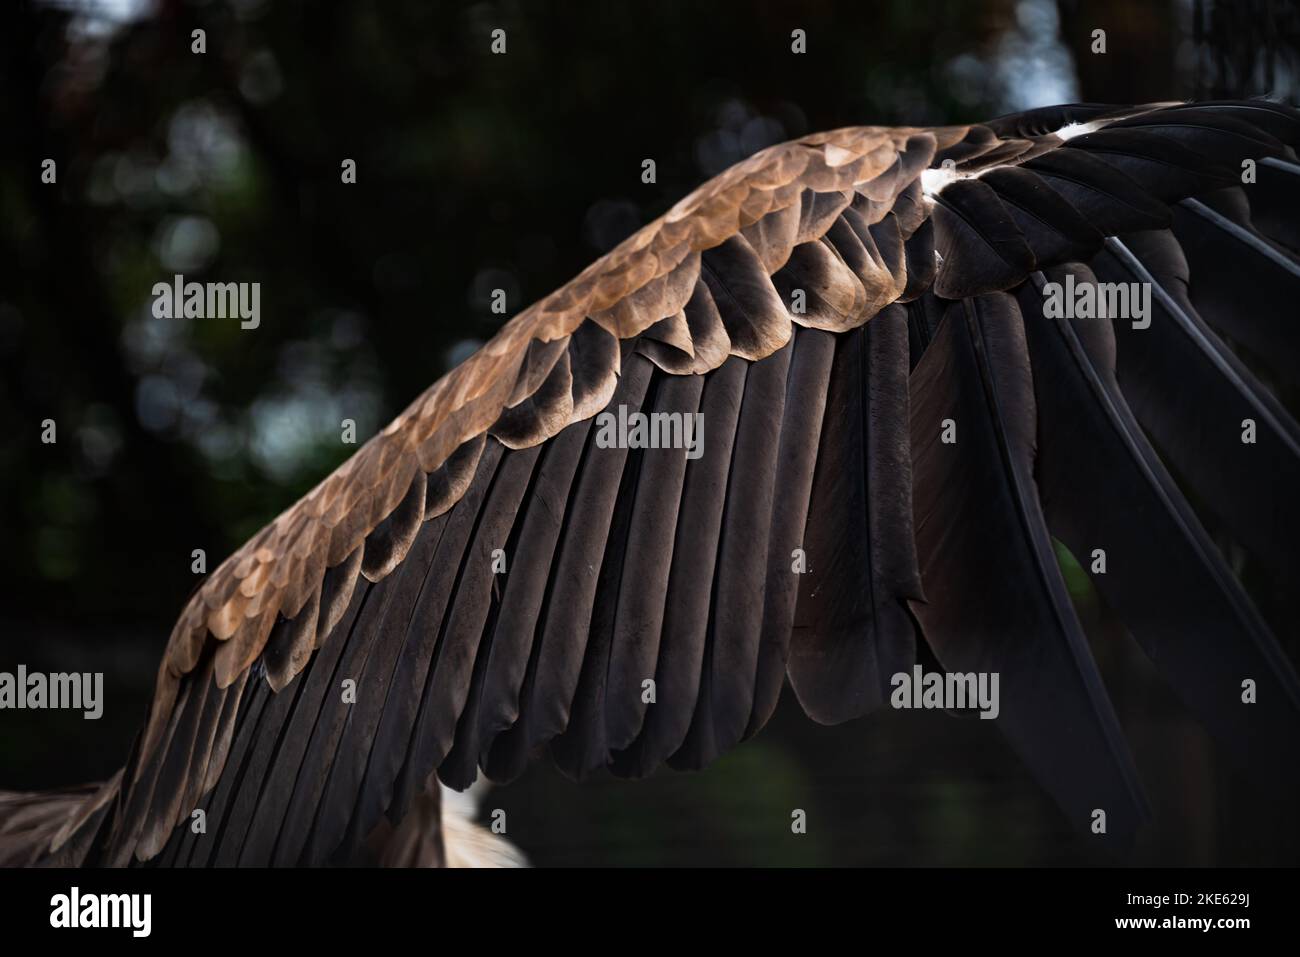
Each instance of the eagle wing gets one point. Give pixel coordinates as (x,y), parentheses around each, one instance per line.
(890,431)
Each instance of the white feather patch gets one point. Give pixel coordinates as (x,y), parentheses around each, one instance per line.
(1070,130)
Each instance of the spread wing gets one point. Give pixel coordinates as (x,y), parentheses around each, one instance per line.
(892,433)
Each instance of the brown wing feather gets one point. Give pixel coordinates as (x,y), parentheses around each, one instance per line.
(709,289)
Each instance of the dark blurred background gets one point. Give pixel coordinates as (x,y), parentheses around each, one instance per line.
(478,171)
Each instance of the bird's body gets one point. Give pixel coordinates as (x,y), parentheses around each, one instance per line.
(895,428)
